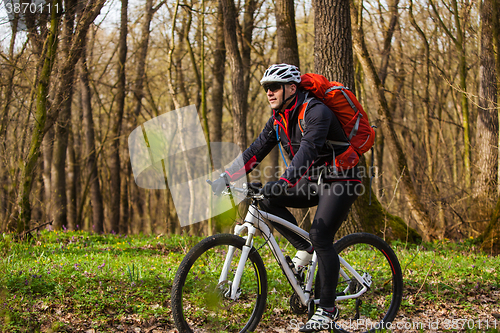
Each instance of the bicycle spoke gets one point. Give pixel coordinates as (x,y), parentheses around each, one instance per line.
(380,302)
(205,300)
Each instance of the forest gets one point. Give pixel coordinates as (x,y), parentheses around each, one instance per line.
(77,77)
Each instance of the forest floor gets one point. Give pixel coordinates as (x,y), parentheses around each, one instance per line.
(82,282)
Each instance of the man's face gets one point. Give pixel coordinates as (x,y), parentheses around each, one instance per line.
(275,94)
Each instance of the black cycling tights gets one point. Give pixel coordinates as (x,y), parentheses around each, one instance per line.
(334,200)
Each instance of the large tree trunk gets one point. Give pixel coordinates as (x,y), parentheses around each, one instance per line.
(288,49)
(114,164)
(90,150)
(487,117)
(334,59)
(491,236)
(417,210)
(332,41)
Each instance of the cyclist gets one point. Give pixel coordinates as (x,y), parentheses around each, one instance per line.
(306,182)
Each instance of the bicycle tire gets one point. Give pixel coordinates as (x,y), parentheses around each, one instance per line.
(369,254)
(198,299)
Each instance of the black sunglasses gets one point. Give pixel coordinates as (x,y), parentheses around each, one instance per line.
(272,86)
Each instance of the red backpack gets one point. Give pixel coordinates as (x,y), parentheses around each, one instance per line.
(349,112)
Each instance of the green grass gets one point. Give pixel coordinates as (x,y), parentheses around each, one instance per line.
(68,281)
(86,278)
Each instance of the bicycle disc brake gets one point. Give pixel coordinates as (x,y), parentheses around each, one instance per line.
(224,288)
(354,286)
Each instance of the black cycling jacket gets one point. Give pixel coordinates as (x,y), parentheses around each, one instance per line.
(308,151)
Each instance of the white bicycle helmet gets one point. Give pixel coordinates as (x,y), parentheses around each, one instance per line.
(281,73)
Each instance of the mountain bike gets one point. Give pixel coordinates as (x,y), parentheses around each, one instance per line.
(221,285)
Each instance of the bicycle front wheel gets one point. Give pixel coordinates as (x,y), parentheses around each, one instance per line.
(374,260)
(201,298)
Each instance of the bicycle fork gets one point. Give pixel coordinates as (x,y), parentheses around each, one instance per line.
(234,290)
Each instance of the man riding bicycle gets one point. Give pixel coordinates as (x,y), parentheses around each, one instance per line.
(307,181)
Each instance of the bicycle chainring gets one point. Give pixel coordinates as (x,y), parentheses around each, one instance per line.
(296,304)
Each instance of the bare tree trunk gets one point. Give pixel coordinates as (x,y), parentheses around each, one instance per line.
(63,125)
(459,42)
(141,58)
(72,178)
(384,63)
(491,236)
(442,224)
(417,210)
(58,174)
(114,163)
(496,44)
(237,74)
(38,213)
(246,46)
(218,73)
(87,15)
(10,82)
(487,116)
(137,194)
(47,145)
(125,215)
(28,168)
(90,150)
(177,106)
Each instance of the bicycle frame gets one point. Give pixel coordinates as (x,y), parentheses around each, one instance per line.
(254,221)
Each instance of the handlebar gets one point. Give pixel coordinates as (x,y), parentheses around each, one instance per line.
(250,190)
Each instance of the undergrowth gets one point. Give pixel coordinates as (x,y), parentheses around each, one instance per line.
(75,280)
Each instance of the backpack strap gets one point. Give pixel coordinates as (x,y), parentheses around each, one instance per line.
(302,113)
(341,88)
(330,144)
(354,130)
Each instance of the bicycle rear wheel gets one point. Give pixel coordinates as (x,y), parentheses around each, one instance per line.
(200,303)
(374,259)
